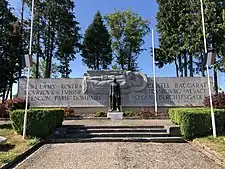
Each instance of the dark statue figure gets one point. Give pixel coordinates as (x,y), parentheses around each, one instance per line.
(115,96)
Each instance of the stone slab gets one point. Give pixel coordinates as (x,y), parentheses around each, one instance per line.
(2,140)
(171,92)
(115,115)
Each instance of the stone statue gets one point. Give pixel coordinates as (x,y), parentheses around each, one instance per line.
(98,81)
(115,96)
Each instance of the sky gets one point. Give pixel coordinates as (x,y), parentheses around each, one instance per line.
(85,11)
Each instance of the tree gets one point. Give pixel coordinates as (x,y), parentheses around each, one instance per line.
(56,34)
(127,31)
(96,47)
(9,49)
(42,68)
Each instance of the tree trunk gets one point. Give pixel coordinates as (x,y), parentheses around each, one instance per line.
(177,67)
(203,65)
(191,66)
(216,88)
(22,38)
(185,65)
(48,46)
(38,51)
(48,50)
(51,53)
(180,66)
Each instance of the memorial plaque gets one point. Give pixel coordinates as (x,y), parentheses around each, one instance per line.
(136,90)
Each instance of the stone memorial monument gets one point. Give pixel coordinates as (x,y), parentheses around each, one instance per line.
(98,91)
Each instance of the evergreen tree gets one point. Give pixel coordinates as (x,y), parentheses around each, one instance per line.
(96,48)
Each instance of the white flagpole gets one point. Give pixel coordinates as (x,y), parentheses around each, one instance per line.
(28,76)
(153,66)
(207,67)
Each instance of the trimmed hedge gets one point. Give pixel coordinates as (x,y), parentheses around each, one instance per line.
(196,122)
(40,122)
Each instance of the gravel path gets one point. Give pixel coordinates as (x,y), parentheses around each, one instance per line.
(118,156)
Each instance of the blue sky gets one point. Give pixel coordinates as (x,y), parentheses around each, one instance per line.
(85,11)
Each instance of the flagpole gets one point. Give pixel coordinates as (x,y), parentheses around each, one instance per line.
(28,76)
(207,67)
(153,66)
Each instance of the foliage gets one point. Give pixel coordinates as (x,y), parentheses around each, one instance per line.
(129,114)
(195,122)
(218,101)
(16,104)
(42,68)
(96,48)
(56,34)
(181,38)
(127,31)
(69,112)
(12,104)
(4,111)
(100,114)
(10,51)
(149,113)
(40,122)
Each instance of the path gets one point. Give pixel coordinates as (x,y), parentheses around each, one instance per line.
(118,156)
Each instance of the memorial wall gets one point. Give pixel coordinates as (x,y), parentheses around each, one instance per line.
(93,90)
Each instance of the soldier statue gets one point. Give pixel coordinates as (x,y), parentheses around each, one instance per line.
(115,96)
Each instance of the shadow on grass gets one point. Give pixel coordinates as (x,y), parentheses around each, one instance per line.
(6,126)
(6,147)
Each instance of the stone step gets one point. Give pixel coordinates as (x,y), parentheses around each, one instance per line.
(122,139)
(121,134)
(99,126)
(112,130)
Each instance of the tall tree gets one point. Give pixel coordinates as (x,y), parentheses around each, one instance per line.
(56,34)
(96,47)
(9,49)
(181,37)
(127,31)
(42,68)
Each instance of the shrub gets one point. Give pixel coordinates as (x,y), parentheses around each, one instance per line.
(4,111)
(129,114)
(147,113)
(195,122)
(100,114)
(69,112)
(218,101)
(40,122)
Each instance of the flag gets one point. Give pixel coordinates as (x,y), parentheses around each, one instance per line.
(210,58)
(27,61)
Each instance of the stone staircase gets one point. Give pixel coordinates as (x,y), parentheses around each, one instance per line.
(73,133)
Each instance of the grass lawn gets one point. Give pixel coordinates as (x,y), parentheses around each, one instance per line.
(14,146)
(217,144)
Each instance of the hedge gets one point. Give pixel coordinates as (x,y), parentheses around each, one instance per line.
(40,122)
(196,122)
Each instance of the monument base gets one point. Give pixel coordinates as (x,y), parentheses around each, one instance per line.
(115,115)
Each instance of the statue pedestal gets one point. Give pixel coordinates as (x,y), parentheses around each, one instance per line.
(115,115)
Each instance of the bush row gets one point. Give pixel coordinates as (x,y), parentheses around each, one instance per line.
(40,122)
(195,122)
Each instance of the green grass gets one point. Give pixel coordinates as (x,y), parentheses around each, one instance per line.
(15,144)
(217,144)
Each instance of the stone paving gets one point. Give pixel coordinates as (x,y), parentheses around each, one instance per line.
(118,156)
